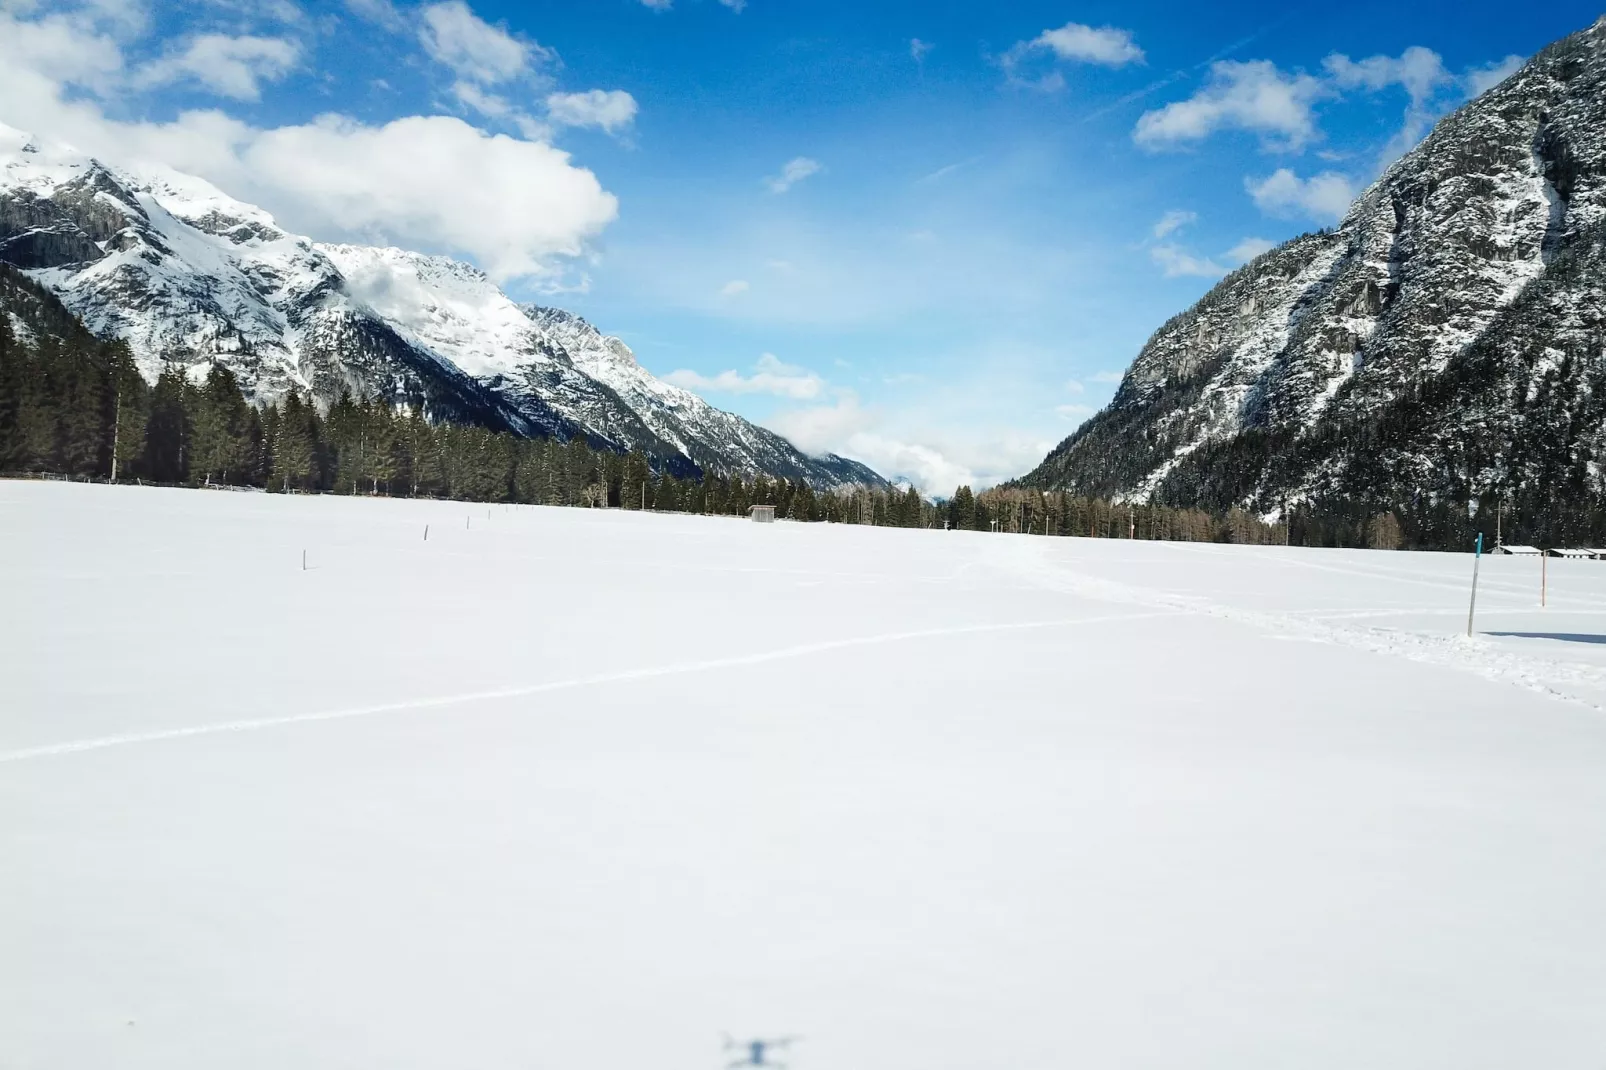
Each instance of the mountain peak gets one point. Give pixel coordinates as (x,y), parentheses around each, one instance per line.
(1392,358)
(188,275)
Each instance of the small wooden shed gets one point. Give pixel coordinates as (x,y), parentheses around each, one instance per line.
(762,514)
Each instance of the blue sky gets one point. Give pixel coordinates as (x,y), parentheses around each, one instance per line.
(929,235)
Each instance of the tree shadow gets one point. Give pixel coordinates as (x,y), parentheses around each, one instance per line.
(1564,637)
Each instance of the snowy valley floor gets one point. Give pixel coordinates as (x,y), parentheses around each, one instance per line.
(565,789)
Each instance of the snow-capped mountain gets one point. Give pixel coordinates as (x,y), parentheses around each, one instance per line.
(188,275)
(1448,339)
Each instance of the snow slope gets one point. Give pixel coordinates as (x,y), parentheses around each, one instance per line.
(563,788)
(188,275)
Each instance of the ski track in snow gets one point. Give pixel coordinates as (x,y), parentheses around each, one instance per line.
(802,650)
(1544,676)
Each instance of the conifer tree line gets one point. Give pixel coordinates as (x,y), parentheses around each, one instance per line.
(74,405)
(1037,512)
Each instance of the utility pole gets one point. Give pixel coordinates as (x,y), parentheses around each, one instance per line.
(1499,519)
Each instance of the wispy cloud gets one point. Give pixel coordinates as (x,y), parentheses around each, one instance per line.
(1479,80)
(1249,248)
(229,66)
(1177,262)
(610,110)
(1324,197)
(1174,221)
(477,51)
(770,375)
(795,171)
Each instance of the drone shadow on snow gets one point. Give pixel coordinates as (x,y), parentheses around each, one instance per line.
(1564,637)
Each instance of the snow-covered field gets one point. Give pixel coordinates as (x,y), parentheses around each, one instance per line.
(567,789)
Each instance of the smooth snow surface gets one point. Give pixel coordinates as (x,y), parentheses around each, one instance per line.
(568,789)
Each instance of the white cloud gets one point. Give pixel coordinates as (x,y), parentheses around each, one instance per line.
(509,203)
(1106,377)
(1419,71)
(1178,263)
(453,35)
(380,12)
(39,56)
(1479,80)
(935,463)
(1324,197)
(1248,249)
(1075,386)
(919,50)
(737,6)
(512,205)
(1107,45)
(285,11)
(485,103)
(795,171)
(733,287)
(658,5)
(770,376)
(1174,221)
(229,66)
(608,110)
(1253,96)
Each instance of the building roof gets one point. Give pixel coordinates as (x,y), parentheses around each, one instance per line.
(1527,551)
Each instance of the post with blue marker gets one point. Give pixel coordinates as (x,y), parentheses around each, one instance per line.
(1477,557)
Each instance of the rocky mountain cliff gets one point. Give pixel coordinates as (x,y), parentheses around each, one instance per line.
(1446,343)
(188,275)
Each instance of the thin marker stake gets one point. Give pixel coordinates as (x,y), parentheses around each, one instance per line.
(426,532)
(1477,558)
(1544,578)
(303,560)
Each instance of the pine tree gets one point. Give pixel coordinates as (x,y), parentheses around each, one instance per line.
(803,503)
(12,356)
(167,429)
(295,448)
(221,423)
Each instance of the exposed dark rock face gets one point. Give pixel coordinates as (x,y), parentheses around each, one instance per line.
(1446,342)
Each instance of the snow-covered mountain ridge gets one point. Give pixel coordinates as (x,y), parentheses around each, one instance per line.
(1446,340)
(187,275)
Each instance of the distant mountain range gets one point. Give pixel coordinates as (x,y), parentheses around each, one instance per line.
(1446,343)
(188,276)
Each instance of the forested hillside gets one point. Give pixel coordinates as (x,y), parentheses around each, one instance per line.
(1439,357)
(73,404)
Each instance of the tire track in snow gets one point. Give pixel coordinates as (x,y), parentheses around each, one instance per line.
(803,650)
